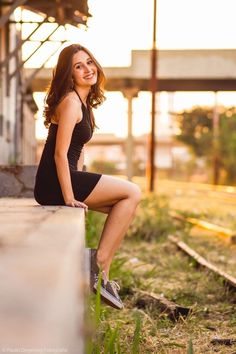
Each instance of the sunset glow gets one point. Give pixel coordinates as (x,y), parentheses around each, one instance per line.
(117,27)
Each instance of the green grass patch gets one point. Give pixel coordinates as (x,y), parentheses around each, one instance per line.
(164,270)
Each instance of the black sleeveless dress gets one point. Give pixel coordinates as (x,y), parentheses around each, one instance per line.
(47,190)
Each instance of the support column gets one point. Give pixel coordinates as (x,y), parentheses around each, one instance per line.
(129,94)
(216,158)
(171,132)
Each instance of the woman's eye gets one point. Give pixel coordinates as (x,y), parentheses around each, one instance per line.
(78,66)
(90,62)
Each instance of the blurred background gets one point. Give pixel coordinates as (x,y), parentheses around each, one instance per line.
(171,84)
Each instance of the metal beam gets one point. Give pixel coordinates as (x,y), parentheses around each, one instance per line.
(170,85)
(19,45)
(4,18)
(30,79)
(41,43)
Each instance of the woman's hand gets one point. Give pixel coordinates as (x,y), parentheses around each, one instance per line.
(75,203)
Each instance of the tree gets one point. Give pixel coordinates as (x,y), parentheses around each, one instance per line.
(101,166)
(196,130)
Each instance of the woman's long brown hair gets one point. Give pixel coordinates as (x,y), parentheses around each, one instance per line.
(62,84)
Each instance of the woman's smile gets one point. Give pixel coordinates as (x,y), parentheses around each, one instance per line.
(89,76)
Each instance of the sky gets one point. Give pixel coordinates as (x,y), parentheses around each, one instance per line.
(117,27)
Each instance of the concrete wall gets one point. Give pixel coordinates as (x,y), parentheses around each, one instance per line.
(8,99)
(180,64)
(17,181)
(29,143)
(17,122)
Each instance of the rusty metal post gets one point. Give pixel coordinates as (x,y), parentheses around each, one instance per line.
(150,172)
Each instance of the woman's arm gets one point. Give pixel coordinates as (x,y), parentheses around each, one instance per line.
(68,113)
(80,162)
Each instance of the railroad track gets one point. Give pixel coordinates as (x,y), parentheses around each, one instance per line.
(167,307)
(227,233)
(229,280)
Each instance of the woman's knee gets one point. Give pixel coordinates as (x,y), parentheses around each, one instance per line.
(135,193)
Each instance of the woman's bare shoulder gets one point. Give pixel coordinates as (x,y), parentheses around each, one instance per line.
(69,105)
(71,98)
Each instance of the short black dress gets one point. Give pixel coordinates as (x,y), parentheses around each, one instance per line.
(47,190)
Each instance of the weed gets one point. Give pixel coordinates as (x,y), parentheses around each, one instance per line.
(111,340)
(94,225)
(190,347)
(137,334)
(152,221)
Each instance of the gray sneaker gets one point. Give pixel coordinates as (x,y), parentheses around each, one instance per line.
(109,293)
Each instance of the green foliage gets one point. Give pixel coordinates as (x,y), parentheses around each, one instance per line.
(111,339)
(98,309)
(190,347)
(152,221)
(137,335)
(173,276)
(101,166)
(94,225)
(196,129)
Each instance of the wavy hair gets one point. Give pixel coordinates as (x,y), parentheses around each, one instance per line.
(62,83)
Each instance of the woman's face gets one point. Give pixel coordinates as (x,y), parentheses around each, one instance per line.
(84,71)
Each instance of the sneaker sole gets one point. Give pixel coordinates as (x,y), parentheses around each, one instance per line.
(110,300)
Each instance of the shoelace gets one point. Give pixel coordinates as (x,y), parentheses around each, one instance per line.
(113,283)
(115,286)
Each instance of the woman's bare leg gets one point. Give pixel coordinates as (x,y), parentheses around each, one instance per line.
(119,198)
(104,210)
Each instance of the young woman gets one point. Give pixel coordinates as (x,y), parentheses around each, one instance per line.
(76,88)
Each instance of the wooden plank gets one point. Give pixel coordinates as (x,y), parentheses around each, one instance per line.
(171,309)
(228,279)
(222,231)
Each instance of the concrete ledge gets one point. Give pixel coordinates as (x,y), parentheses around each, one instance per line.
(17,181)
(41,265)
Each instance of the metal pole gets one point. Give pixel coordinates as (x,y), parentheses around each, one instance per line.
(153,88)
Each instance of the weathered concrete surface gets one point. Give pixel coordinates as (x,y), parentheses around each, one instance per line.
(206,65)
(17,181)
(41,293)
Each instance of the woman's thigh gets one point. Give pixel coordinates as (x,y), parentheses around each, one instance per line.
(109,190)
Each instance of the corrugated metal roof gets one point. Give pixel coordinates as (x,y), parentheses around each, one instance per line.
(73,12)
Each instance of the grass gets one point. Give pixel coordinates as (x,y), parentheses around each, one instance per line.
(148,261)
